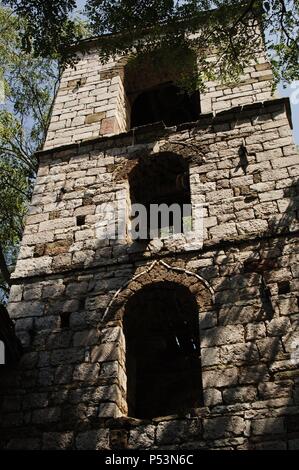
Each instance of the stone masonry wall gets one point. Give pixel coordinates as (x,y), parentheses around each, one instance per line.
(243,174)
(91,99)
(68,391)
(90,102)
(254,85)
(70,289)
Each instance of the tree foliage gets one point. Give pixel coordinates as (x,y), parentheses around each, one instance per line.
(228,28)
(48,27)
(29,85)
(147,25)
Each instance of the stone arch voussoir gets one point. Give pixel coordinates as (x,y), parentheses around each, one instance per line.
(160,271)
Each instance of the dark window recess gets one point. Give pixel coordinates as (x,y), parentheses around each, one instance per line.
(12,345)
(65,320)
(283,287)
(266,298)
(167,103)
(162,179)
(80,220)
(162,351)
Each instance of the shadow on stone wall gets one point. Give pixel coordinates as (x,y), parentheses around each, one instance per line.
(59,382)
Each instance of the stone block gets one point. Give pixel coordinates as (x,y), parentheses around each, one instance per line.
(267,426)
(171,432)
(26,309)
(35,400)
(278,326)
(220,378)
(142,437)
(239,395)
(255,331)
(86,338)
(109,410)
(96,117)
(222,427)
(46,415)
(212,397)
(239,354)
(24,443)
(106,352)
(67,356)
(93,440)
(222,335)
(268,390)
(210,356)
(253,374)
(57,441)
(86,372)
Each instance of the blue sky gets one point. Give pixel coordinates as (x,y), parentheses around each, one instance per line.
(282,92)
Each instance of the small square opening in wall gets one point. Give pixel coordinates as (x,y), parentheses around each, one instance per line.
(80,220)
(65,320)
(284,287)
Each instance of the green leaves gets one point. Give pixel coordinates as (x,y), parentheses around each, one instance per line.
(232,32)
(228,27)
(47,28)
(30,85)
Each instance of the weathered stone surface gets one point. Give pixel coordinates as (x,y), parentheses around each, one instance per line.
(73,387)
(35,400)
(67,356)
(57,441)
(253,374)
(222,335)
(86,338)
(24,444)
(269,390)
(109,410)
(278,327)
(268,426)
(239,354)
(86,372)
(220,377)
(210,356)
(223,427)
(239,394)
(46,415)
(255,331)
(212,397)
(171,432)
(93,440)
(26,309)
(142,437)
(106,352)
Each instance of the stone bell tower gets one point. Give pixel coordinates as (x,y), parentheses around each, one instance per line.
(183,339)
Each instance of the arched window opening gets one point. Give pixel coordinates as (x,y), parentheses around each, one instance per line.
(163,179)
(162,351)
(157,88)
(167,103)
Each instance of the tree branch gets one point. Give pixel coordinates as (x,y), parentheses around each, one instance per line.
(3,267)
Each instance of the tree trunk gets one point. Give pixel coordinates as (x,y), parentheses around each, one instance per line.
(3,267)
